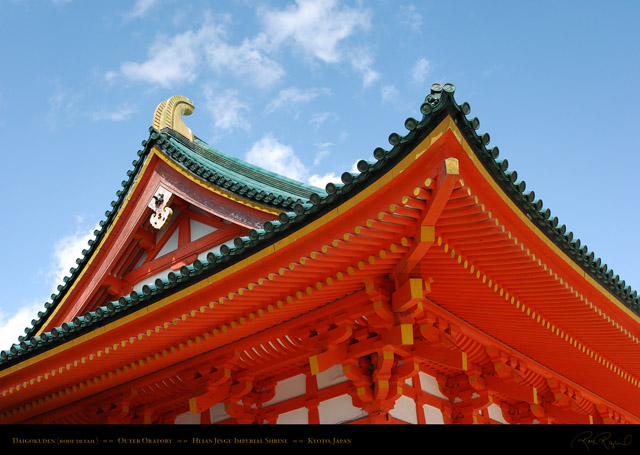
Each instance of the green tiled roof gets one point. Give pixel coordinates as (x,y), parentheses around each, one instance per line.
(233,174)
(311,204)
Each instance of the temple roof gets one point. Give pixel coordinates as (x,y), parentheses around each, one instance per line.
(235,175)
(299,204)
(197,157)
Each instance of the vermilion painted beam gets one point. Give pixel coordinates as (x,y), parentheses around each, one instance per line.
(195,247)
(147,239)
(451,358)
(448,175)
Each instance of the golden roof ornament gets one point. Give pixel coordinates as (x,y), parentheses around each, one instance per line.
(169,114)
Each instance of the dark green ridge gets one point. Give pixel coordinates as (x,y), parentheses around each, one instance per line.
(235,175)
(438,104)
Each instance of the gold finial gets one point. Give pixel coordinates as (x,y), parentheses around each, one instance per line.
(169,114)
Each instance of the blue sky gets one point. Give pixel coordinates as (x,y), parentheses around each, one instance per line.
(306,89)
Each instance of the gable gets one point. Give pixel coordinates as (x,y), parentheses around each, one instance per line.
(137,249)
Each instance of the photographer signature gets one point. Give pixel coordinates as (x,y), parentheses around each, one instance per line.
(586,439)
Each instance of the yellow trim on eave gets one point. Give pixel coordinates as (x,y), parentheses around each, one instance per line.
(514,208)
(374,187)
(311,227)
(156,152)
(104,238)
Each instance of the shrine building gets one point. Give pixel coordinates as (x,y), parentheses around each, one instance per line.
(430,286)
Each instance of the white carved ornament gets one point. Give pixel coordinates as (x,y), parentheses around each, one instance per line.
(158,203)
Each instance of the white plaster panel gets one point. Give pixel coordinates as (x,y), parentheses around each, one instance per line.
(495,413)
(171,244)
(188,419)
(297,416)
(330,377)
(429,385)
(338,410)
(432,415)
(217,413)
(409,382)
(405,410)
(286,389)
(199,230)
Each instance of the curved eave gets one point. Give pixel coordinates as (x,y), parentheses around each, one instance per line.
(444,117)
(436,108)
(233,275)
(152,149)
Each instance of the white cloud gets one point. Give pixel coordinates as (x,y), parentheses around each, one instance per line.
(493,69)
(67,250)
(409,17)
(323,150)
(318,28)
(361,61)
(270,154)
(140,9)
(171,61)
(123,113)
(293,97)
(420,71)
(245,60)
(274,156)
(389,93)
(177,59)
(227,110)
(321,180)
(12,325)
(62,104)
(319,118)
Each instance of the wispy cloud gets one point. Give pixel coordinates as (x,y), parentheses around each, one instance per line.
(493,69)
(182,57)
(389,93)
(421,70)
(321,180)
(362,62)
(319,118)
(118,115)
(410,18)
(12,325)
(227,110)
(140,8)
(62,103)
(318,28)
(66,250)
(293,97)
(323,150)
(246,60)
(171,61)
(274,156)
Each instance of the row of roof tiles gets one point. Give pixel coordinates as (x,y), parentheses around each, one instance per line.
(437,105)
